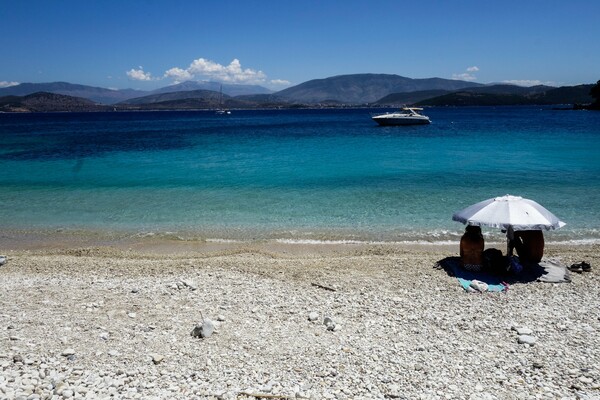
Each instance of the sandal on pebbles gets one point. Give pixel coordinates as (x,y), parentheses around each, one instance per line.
(586,266)
(580,267)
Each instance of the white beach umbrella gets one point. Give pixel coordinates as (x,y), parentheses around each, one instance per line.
(509,211)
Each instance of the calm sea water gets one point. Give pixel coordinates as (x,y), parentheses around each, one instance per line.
(295,175)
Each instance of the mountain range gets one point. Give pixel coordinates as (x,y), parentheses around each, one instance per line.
(344,90)
(364,88)
(501,95)
(113,96)
(48,102)
(95,94)
(228,89)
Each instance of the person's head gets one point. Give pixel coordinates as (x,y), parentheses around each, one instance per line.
(473,230)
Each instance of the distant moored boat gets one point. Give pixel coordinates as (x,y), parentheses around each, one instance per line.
(221,110)
(405,116)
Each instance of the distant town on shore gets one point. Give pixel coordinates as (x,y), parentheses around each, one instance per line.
(357,90)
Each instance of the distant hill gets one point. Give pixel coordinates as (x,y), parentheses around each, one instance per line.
(96,94)
(396,99)
(509,89)
(568,95)
(263,100)
(203,99)
(113,96)
(500,89)
(176,104)
(48,102)
(231,90)
(191,103)
(464,98)
(500,95)
(364,88)
(191,100)
(205,95)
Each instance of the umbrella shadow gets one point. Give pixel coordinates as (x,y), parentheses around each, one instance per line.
(448,264)
(529,273)
(452,266)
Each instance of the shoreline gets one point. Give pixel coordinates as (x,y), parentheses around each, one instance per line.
(41,240)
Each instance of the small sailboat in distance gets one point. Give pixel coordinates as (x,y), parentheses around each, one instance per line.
(221,110)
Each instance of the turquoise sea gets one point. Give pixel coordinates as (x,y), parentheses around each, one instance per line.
(295,175)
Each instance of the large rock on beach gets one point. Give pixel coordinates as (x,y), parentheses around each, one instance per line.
(204,330)
(527,339)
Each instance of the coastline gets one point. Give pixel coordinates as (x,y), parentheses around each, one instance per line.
(115,319)
(201,243)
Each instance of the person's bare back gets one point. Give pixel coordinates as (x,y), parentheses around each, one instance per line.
(529,246)
(471,247)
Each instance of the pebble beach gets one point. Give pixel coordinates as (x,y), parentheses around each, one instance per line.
(321,322)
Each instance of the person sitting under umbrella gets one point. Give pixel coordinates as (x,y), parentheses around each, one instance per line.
(529,245)
(471,248)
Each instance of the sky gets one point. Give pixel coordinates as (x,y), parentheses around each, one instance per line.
(147,44)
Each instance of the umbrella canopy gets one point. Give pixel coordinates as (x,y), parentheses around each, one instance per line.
(509,211)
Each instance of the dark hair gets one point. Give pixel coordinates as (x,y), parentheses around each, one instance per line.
(495,262)
(473,230)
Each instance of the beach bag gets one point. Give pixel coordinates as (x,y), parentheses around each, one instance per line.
(515,267)
(494,262)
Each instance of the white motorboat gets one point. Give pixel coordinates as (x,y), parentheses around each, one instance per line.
(405,116)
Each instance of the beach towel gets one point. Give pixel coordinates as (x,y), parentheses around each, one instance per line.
(548,270)
(554,272)
(473,281)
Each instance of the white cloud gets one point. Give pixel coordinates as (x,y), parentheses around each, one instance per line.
(139,74)
(464,77)
(205,69)
(528,82)
(280,82)
(178,74)
(226,73)
(4,84)
(467,75)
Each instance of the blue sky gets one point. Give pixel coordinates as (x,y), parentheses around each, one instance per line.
(146,44)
